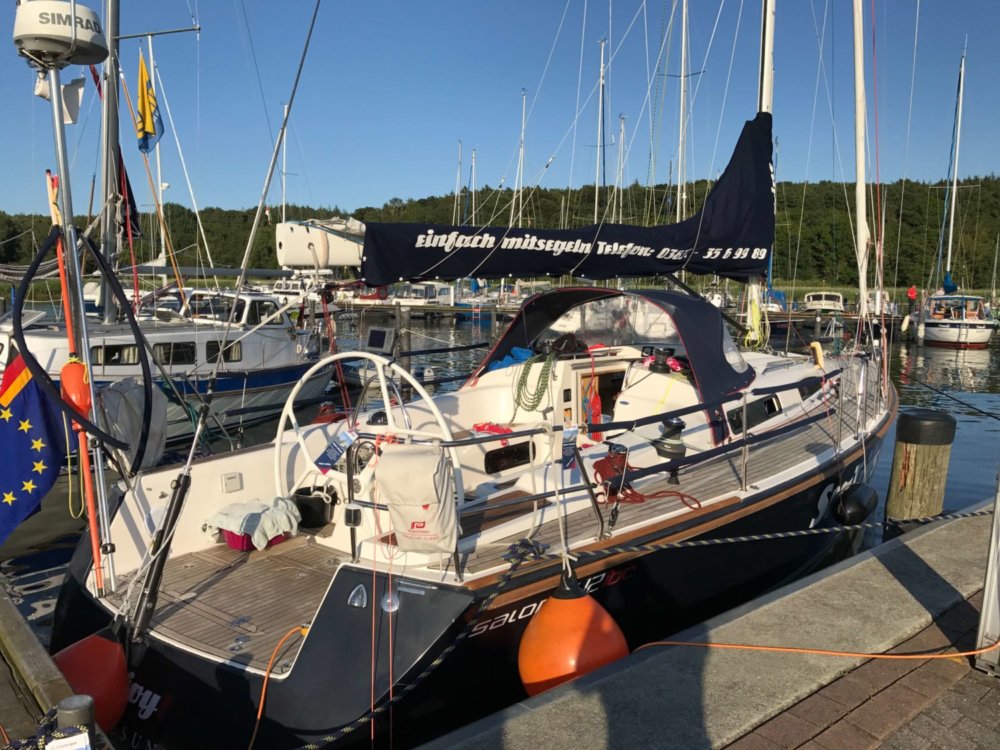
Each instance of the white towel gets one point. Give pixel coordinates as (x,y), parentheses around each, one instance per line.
(262,522)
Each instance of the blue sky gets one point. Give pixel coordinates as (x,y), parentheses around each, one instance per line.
(390,87)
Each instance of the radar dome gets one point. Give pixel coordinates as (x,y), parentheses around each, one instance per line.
(49,32)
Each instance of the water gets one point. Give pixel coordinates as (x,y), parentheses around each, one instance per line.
(965,384)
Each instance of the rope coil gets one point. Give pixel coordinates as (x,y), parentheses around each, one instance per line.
(47,731)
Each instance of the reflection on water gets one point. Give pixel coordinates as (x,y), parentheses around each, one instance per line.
(968,370)
(965,384)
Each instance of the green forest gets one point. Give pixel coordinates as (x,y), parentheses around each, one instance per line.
(813,243)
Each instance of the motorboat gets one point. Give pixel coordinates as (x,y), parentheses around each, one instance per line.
(263,356)
(957,321)
(823,302)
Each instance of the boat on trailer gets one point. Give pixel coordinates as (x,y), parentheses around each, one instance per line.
(604,429)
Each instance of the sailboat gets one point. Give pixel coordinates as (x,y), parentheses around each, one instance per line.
(615,443)
(952,319)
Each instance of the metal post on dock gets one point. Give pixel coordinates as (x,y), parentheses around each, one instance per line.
(989,616)
(74,711)
(919,464)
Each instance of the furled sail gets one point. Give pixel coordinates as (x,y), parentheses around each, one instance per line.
(732,236)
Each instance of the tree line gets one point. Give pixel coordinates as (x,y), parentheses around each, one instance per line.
(814,231)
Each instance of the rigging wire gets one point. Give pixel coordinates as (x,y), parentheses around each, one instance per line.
(906,147)
(253,55)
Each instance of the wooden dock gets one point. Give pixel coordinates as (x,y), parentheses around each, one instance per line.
(30,682)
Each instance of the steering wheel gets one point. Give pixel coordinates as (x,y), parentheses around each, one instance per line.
(382,367)
(568,343)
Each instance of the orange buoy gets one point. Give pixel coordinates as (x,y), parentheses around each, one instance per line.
(95,666)
(75,385)
(568,637)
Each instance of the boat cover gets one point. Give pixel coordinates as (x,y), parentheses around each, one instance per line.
(731,236)
(699,325)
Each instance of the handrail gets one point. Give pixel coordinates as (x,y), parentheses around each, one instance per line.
(445,350)
(721,449)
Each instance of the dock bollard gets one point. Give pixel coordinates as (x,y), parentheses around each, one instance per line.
(919,465)
(76,710)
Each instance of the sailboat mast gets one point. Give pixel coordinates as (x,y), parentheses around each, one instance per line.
(620,176)
(954,173)
(284,167)
(110,153)
(860,204)
(159,171)
(681,165)
(765,85)
(472,189)
(517,200)
(600,130)
(457,204)
(993,281)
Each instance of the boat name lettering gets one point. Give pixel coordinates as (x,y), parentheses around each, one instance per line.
(454,240)
(602,580)
(145,699)
(507,618)
(66,19)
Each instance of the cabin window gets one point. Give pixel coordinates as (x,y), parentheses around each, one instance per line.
(261,310)
(232,353)
(175,353)
(113,355)
(732,353)
(758,411)
(509,457)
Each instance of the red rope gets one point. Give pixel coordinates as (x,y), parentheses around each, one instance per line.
(614,465)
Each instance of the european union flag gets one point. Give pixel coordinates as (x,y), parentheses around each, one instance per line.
(34,441)
(148,125)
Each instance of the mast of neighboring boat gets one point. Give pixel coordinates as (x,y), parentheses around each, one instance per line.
(456,207)
(954,173)
(159,170)
(618,212)
(861,234)
(993,281)
(600,130)
(472,188)
(681,161)
(517,199)
(284,165)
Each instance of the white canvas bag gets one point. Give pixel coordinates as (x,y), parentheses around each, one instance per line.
(416,482)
